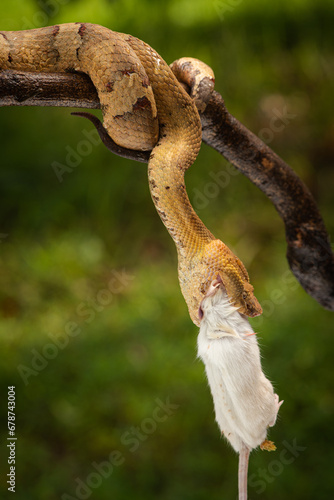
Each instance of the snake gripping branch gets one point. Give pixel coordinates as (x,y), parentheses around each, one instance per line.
(309,251)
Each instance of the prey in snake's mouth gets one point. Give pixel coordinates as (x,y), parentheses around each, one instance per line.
(139,94)
(148,116)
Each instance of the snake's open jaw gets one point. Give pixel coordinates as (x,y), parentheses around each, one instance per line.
(200,312)
(249,306)
(212,290)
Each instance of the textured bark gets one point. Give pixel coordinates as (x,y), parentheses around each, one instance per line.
(21,88)
(309,251)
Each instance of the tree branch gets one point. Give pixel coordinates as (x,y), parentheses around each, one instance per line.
(309,251)
(308,247)
(22,88)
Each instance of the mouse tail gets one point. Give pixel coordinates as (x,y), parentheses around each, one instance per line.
(243,471)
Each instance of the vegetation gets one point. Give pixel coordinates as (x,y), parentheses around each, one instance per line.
(89,298)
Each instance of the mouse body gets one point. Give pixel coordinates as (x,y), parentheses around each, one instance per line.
(244,399)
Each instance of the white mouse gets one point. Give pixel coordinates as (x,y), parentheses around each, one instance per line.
(244,400)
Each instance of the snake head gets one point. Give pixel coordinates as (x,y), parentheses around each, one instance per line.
(227,271)
(241,297)
(249,305)
(240,291)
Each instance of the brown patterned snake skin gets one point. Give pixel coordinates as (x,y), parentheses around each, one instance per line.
(143,107)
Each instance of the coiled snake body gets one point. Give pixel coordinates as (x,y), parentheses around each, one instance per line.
(144,107)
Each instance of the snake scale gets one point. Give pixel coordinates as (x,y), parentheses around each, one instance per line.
(144,108)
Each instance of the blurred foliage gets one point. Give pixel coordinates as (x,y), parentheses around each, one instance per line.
(125,341)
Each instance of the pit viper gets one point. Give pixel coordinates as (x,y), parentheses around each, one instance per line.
(144,108)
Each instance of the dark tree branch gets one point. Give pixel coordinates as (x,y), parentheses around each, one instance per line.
(309,252)
(21,88)
(74,90)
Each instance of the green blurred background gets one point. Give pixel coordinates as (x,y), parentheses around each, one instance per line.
(134,347)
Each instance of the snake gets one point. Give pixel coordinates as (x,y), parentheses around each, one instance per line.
(144,108)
